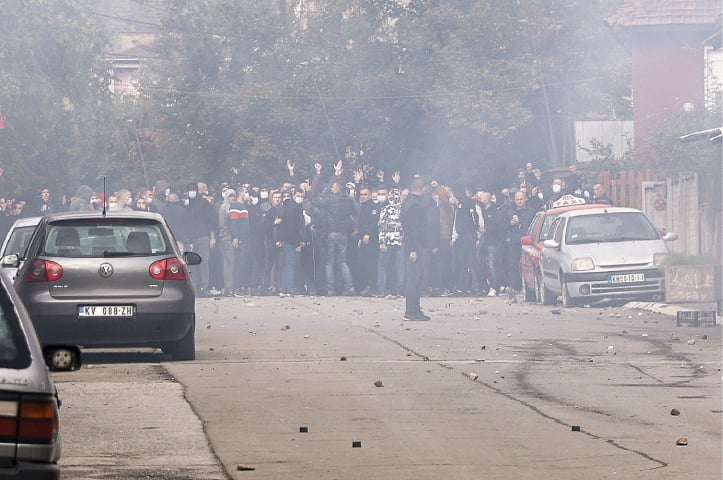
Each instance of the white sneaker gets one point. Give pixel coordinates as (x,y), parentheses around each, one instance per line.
(492,293)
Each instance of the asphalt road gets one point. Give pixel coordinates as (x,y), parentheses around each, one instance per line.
(490,388)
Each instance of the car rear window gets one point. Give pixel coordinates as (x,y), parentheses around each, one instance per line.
(104,238)
(14,351)
(610,227)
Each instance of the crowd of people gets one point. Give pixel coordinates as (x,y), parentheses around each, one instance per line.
(337,234)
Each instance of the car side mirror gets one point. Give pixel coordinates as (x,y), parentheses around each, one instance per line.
(551,244)
(670,236)
(10,260)
(526,240)
(192,258)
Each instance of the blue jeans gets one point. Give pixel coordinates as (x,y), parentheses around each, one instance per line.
(336,244)
(393,256)
(492,255)
(288,270)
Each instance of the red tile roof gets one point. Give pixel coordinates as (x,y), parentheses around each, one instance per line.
(640,13)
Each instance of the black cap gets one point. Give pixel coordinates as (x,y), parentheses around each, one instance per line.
(192,186)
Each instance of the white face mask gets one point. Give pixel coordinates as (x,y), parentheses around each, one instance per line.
(556,188)
(299,200)
(129,201)
(167,191)
(246,197)
(264,195)
(381,198)
(192,194)
(254,200)
(149,200)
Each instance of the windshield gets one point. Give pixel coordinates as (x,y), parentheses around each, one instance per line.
(19,239)
(609,227)
(110,237)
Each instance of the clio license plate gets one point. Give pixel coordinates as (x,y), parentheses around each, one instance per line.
(626,278)
(122,311)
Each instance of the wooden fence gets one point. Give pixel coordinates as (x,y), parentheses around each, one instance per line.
(626,188)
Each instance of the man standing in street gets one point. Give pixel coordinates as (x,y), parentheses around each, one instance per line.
(201,236)
(414,225)
(520,218)
(341,217)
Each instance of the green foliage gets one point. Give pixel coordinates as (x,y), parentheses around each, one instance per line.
(54,96)
(236,87)
(672,156)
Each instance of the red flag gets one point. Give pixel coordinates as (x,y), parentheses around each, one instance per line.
(2,121)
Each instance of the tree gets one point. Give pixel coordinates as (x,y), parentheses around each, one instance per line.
(54,97)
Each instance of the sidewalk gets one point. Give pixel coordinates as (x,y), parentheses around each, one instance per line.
(673,309)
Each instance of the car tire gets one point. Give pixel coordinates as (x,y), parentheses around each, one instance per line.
(567,301)
(543,294)
(184,349)
(530,293)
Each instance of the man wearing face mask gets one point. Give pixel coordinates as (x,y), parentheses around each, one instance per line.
(341,217)
(289,237)
(161,190)
(256,258)
(199,223)
(368,242)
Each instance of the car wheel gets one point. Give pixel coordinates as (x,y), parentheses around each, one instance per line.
(567,301)
(61,359)
(183,349)
(543,294)
(530,293)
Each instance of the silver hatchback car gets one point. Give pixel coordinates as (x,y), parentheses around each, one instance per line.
(117,280)
(602,253)
(29,422)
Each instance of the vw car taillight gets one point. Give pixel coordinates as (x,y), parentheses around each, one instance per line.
(43,271)
(168,269)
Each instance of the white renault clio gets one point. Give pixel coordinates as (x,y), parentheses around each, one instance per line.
(602,253)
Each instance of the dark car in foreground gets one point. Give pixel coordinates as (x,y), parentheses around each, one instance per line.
(103,281)
(29,423)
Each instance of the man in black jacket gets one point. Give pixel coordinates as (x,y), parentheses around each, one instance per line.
(289,237)
(341,216)
(414,225)
(368,243)
(199,225)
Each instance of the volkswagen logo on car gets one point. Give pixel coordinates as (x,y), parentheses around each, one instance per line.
(105,270)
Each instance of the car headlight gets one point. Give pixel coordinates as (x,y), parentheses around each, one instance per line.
(584,263)
(659,258)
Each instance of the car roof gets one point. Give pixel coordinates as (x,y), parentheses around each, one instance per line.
(609,209)
(99,216)
(568,208)
(26,222)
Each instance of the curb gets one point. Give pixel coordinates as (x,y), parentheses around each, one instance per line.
(662,308)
